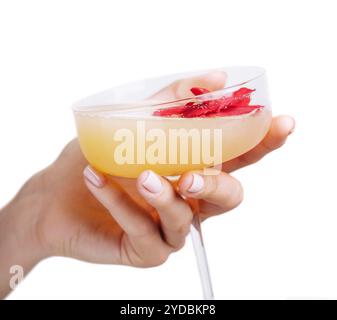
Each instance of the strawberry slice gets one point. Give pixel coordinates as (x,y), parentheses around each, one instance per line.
(214,105)
(172,111)
(241,97)
(225,103)
(198,91)
(242,92)
(236,111)
(235,104)
(195,113)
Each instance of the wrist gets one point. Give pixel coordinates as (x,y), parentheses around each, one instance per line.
(18,226)
(19,237)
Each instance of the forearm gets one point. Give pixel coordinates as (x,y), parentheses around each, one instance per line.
(20,250)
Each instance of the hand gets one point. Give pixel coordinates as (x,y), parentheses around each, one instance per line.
(134,222)
(140,222)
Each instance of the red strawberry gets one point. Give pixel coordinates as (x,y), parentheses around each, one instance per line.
(225,102)
(236,104)
(241,102)
(242,97)
(197,91)
(236,111)
(242,92)
(195,113)
(213,105)
(170,111)
(196,110)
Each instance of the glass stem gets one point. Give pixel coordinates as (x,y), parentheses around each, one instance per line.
(200,254)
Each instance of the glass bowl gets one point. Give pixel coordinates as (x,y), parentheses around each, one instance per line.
(134,127)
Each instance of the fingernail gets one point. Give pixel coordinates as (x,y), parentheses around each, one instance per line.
(151,182)
(197,184)
(94,177)
(290,123)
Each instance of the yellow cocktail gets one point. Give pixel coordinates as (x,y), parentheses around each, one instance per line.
(125,145)
(121,134)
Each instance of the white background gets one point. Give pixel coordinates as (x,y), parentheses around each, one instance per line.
(281,242)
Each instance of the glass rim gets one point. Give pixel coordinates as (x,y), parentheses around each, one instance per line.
(79,106)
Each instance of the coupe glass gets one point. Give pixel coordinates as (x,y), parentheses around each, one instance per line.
(123,131)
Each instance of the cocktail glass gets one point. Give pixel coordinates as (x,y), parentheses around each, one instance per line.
(123,131)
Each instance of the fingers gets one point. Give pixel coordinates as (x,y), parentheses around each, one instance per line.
(127,214)
(216,193)
(211,81)
(181,89)
(281,128)
(175,214)
(141,232)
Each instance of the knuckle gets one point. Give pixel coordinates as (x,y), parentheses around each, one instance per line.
(180,227)
(183,228)
(154,260)
(226,191)
(167,198)
(162,258)
(179,245)
(142,230)
(159,259)
(164,198)
(211,185)
(163,201)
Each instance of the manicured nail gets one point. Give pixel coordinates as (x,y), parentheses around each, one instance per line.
(151,182)
(94,177)
(290,123)
(197,184)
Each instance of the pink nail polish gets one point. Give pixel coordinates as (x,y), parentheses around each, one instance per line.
(152,182)
(292,128)
(94,177)
(290,123)
(197,184)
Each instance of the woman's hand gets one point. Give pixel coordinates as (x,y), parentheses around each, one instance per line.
(71,210)
(134,222)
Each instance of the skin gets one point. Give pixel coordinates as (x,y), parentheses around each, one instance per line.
(58,212)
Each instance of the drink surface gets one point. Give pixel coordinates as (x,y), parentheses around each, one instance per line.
(122,144)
